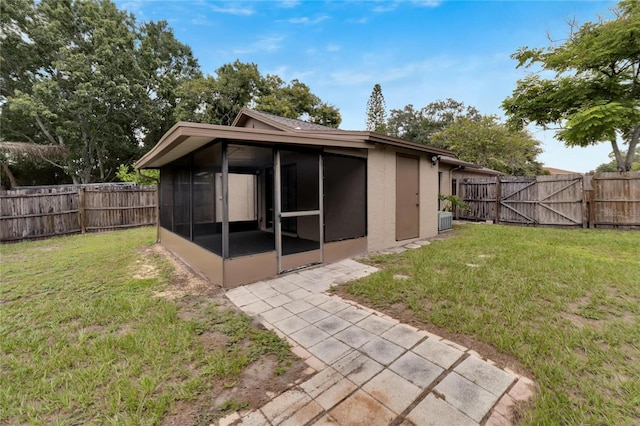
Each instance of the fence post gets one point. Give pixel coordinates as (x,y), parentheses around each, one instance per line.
(498,196)
(81,209)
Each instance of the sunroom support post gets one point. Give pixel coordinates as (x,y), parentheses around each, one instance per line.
(321,205)
(225,201)
(277,207)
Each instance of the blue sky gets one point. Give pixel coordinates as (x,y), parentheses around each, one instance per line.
(418,51)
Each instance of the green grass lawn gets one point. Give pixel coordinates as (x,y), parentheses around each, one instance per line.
(84,342)
(565,303)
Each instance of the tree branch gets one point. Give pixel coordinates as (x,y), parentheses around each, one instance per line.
(632,148)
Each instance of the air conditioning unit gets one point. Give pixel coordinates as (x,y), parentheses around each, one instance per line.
(445,221)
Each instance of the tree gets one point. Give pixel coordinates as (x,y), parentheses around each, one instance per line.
(612,166)
(489,143)
(377,111)
(594,96)
(165,64)
(294,100)
(419,125)
(77,88)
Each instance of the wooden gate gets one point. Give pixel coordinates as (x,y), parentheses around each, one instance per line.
(525,200)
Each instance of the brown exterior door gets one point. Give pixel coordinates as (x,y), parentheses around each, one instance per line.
(407,197)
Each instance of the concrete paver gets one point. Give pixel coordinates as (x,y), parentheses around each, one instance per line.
(291,324)
(417,370)
(314,315)
(403,394)
(361,409)
(275,315)
(329,350)
(382,350)
(439,353)
(332,324)
(304,415)
(466,396)
(355,336)
(298,306)
(284,405)
(403,335)
(433,411)
(371,369)
(375,324)
(484,375)
(358,367)
(353,314)
(336,393)
(309,336)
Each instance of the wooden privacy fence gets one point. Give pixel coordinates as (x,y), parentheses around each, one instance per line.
(46,211)
(599,201)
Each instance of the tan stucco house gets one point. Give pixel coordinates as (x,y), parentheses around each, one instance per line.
(268,194)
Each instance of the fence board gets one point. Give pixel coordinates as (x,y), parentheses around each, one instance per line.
(41,212)
(602,200)
(616,199)
(480,196)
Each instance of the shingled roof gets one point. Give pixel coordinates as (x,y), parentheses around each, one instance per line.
(283,123)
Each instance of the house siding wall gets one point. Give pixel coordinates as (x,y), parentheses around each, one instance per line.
(381,197)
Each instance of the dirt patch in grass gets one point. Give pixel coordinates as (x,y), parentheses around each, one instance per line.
(256,385)
(254,388)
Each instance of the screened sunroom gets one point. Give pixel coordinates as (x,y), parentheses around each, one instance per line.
(241,204)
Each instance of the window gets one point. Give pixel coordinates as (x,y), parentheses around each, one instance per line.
(345,197)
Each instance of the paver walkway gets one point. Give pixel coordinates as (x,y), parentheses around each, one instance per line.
(372,369)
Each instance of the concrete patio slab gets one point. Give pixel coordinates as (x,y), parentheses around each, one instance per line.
(371,369)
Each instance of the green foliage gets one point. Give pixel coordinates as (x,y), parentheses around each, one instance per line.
(452,203)
(612,166)
(377,111)
(141,177)
(86,76)
(489,143)
(419,125)
(294,100)
(594,96)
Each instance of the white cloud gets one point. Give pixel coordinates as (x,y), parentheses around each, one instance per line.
(333,47)
(263,44)
(427,3)
(231,10)
(305,20)
(288,4)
